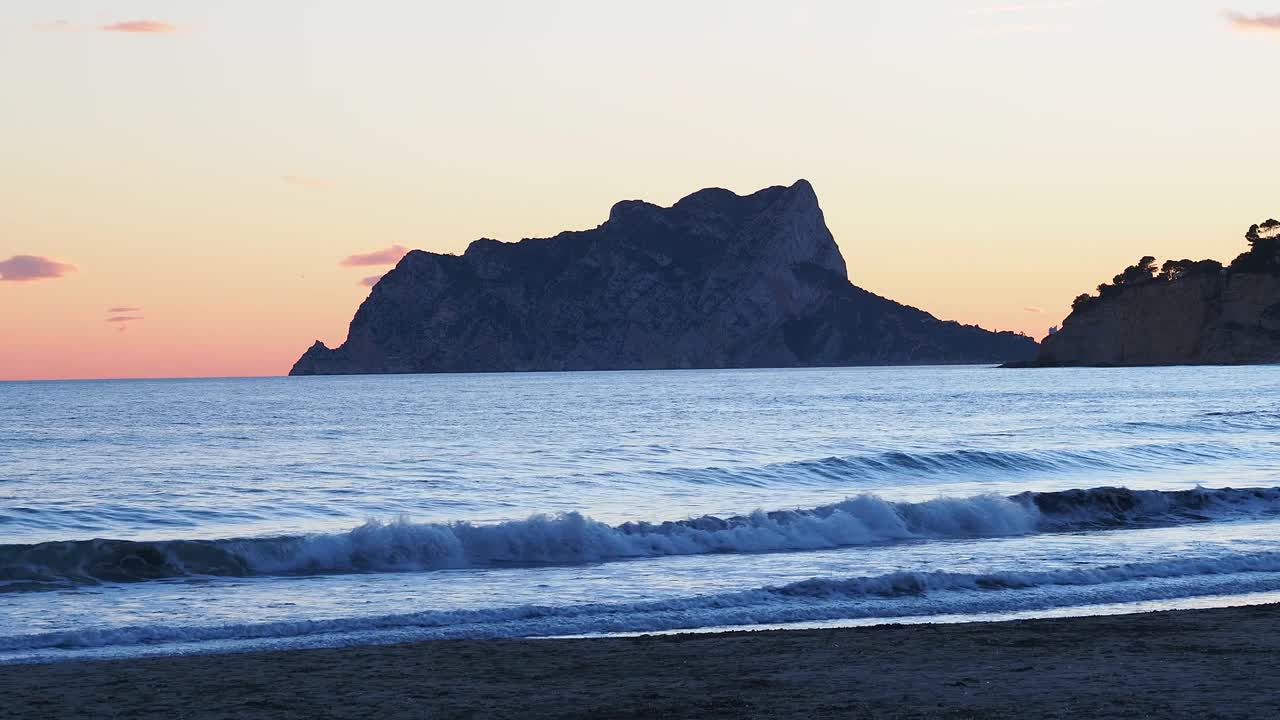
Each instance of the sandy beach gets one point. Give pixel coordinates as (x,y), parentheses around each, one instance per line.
(1215,663)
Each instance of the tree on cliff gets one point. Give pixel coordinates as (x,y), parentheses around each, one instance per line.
(1178,269)
(1140,273)
(1268,229)
(1263,255)
(1083,302)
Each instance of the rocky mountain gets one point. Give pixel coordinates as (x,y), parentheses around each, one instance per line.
(1184,313)
(716,280)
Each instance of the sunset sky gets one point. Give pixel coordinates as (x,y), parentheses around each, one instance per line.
(187,188)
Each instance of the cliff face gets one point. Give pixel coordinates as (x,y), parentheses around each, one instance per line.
(1214,319)
(716,280)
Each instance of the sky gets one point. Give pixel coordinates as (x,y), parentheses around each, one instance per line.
(197,188)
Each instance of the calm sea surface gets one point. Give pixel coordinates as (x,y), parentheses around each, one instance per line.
(145,517)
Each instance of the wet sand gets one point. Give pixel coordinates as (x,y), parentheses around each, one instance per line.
(1217,663)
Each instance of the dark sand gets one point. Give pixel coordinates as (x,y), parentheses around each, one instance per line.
(1221,663)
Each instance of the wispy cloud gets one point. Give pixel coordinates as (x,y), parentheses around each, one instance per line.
(121,322)
(370,281)
(386,256)
(1254,23)
(25,268)
(140,26)
(1032,309)
(120,317)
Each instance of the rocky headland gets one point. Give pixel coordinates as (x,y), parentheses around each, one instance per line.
(717,280)
(1184,312)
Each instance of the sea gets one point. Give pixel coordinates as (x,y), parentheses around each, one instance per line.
(163,517)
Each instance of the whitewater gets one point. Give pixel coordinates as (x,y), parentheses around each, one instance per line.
(180,516)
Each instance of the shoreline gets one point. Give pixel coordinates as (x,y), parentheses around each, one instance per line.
(1171,664)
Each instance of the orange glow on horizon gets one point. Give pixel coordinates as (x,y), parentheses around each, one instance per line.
(241,183)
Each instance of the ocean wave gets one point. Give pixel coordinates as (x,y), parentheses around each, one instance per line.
(899,594)
(893,466)
(261,506)
(572,537)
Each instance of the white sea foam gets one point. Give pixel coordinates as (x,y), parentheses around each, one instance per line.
(566,538)
(899,594)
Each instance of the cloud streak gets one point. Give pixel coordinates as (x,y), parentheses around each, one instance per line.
(120,317)
(370,281)
(140,26)
(386,256)
(1254,23)
(26,268)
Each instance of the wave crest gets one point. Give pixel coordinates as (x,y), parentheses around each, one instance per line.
(571,537)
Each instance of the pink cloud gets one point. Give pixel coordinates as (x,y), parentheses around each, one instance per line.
(140,26)
(370,281)
(1032,309)
(24,268)
(387,256)
(122,316)
(1241,21)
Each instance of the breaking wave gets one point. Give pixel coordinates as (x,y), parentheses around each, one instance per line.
(575,538)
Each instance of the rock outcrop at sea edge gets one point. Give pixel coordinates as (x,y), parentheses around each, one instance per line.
(1185,313)
(715,281)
